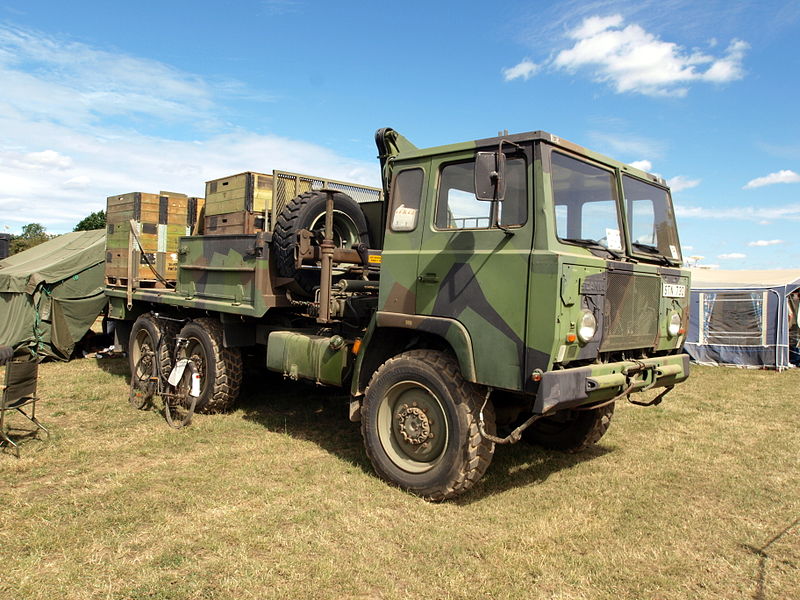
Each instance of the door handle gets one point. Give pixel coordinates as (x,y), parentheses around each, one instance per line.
(428,278)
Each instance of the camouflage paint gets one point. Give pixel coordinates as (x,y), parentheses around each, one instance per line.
(508,305)
(518,297)
(222,273)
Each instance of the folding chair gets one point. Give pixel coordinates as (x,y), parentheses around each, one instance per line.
(19,391)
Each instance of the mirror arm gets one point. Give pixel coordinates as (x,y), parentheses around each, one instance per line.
(495,216)
(517,146)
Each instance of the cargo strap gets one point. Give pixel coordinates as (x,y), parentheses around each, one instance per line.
(147,260)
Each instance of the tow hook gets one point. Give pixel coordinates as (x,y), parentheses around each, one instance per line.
(633,377)
(646,374)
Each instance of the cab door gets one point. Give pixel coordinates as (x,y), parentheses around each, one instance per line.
(477,272)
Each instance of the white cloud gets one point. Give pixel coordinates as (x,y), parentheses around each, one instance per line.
(617,141)
(75,84)
(79,124)
(731,256)
(634,60)
(46,159)
(789,212)
(644,165)
(525,69)
(81,181)
(765,243)
(784,176)
(680,183)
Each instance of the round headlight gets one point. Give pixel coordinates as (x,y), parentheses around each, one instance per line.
(587,326)
(674,326)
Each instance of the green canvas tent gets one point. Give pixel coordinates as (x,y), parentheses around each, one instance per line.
(51,294)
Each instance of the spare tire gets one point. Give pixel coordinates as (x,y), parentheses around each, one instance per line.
(307,211)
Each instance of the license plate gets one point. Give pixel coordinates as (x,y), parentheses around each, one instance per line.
(673,290)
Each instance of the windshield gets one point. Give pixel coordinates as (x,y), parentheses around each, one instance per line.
(651,221)
(586,203)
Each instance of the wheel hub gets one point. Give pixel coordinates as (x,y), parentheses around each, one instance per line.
(414,425)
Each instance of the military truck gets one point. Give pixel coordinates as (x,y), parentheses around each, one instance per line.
(508,288)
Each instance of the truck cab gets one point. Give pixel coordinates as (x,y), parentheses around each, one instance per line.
(551,272)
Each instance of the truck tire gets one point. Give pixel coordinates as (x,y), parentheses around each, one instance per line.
(583,429)
(420,425)
(307,211)
(220,368)
(150,349)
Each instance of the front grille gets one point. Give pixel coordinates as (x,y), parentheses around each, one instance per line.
(630,317)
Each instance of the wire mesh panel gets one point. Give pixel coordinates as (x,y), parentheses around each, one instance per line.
(631,311)
(288,185)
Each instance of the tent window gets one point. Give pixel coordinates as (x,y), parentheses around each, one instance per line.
(734,318)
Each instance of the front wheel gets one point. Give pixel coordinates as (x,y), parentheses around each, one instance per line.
(571,432)
(420,425)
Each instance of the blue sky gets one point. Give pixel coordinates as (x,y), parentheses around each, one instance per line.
(101,98)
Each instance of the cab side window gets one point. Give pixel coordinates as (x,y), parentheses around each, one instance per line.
(458,208)
(406,196)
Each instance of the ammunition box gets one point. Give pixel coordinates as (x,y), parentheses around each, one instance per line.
(159,221)
(239,222)
(251,192)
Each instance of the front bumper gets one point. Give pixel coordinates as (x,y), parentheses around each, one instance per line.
(568,388)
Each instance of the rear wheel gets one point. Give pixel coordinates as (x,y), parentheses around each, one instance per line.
(220,368)
(420,425)
(571,432)
(150,347)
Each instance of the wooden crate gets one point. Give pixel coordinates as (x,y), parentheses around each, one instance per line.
(166,208)
(160,220)
(251,192)
(238,222)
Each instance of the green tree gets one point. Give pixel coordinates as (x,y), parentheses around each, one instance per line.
(96,220)
(32,235)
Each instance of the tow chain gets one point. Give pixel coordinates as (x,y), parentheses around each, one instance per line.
(511,438)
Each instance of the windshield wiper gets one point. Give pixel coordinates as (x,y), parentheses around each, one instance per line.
(646,247)
(652,250)
(594,244)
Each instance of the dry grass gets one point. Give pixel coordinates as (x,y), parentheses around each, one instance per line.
(277,501)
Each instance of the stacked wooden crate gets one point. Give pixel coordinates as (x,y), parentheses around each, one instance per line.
(159,221)
(238,204)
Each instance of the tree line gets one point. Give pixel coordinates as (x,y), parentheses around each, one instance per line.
(34,234)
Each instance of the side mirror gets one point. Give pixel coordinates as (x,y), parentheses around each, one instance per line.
(490,176)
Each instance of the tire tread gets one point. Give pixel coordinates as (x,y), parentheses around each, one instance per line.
(469,399)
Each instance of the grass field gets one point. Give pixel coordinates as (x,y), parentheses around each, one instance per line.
(696,498)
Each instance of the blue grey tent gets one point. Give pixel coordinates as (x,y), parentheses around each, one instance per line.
(744,318)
